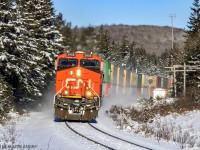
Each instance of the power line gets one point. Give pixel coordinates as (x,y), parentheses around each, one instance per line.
(186,68)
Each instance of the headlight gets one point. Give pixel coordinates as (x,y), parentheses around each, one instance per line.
(88,94)
(78,72)
(66,92)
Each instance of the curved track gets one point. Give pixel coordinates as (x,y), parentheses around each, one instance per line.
(87,137)
(119,138)
(107,134)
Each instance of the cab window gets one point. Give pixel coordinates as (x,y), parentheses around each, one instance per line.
(89,63)
(68,62)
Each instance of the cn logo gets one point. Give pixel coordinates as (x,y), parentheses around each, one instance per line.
(78,82)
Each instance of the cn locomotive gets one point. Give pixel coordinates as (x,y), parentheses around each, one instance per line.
(78,88)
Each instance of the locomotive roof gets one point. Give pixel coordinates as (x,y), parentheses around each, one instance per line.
(78,54)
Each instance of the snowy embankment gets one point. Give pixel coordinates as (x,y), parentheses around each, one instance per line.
(37,130)
(182,129)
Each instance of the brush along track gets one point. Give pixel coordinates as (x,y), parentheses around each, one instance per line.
(119,138)
(106,136)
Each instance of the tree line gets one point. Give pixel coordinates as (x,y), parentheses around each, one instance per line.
(127,54)
(29,42)
(191,52)
(31,36)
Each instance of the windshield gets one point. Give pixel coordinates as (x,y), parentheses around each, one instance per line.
(68,62)
(89,63)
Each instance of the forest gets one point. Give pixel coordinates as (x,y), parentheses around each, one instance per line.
(30,42)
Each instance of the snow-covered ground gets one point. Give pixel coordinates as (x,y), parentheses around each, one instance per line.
(39,131)
(183,128)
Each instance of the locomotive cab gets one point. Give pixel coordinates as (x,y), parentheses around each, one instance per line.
(78,86)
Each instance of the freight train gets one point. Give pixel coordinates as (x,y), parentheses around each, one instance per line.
(78,90)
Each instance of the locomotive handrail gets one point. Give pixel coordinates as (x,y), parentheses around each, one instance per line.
(67,80)
(97,96)
(58,92)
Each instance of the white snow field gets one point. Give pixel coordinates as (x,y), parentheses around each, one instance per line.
(38,131)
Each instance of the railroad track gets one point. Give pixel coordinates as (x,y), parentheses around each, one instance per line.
(119,138)
(107,134)
(87,137)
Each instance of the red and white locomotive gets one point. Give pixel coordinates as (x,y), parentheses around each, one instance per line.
(79,80)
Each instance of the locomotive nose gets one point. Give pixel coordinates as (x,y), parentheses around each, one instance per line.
(78,86)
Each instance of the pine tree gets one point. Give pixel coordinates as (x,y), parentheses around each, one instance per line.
(27,46)
(132,58)
(7,56)
(192,45)
(164,59)
(29,43)
(65,30)
(193,34)
(40,44)
(47,27)
(194,23)
(7,34)
(103,44)
(114,56)
(5,98)
(9,69)
(88,39)
(124,51)
(176,55)
(141,59)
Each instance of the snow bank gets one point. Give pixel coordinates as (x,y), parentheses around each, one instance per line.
(184,129)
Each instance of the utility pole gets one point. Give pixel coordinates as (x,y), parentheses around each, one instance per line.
(172,16)
(195,64)
(186,68)
(173,80)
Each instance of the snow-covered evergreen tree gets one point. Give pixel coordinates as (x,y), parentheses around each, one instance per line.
(5,98)
(40,41)
(7,35)
(103,44)
(7,29)
(132,59)
(65,30)
(125,52)
(8,54)
(87,39)
(192,46)
(114,56)
(47,27)
(194,23)
(29,42)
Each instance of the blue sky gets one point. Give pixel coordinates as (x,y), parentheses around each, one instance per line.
(131,12)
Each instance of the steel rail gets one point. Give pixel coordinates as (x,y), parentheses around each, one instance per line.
(119,138)
(88,138)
